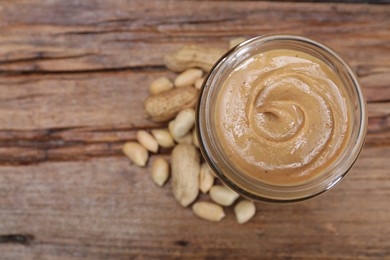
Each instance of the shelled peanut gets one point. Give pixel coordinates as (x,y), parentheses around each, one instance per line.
(172,103)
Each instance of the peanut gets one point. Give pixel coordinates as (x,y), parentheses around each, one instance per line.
(160,85)
(192,56)
(183,123)
(147,141)
(195,139)
(206,178)
(163,138)
(136,152)
(236,41)
(160,171)
(165,106)
(222,195)
(208,211)
(187,139)
(244,211)
(188,77)
(199,83)
(185,173)
(170,126)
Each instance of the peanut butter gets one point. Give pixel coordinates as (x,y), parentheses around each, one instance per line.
(283,117)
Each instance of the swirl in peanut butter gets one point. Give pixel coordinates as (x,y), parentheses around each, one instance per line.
(282,117)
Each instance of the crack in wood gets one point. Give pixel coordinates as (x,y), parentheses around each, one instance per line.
(23,239)
(97,32)
(117,20)
(29,96)
(88,71)
(40,56)
(379,101)
(182,243)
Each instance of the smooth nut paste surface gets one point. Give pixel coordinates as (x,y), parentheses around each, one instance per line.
(282,117)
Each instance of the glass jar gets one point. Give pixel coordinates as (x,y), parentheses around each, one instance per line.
(242,183)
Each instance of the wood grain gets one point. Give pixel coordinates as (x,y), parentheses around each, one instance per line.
(99,35)
(106,208)
(73,75)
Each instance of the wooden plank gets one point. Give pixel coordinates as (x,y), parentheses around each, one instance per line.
(70,36)
(95,99)
(74,117)
(106,208)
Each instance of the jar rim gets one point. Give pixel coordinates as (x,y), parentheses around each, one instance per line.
(209,152)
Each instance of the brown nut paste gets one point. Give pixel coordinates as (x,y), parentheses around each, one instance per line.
(282,117)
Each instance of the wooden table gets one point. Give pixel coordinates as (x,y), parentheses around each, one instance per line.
(73,77)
